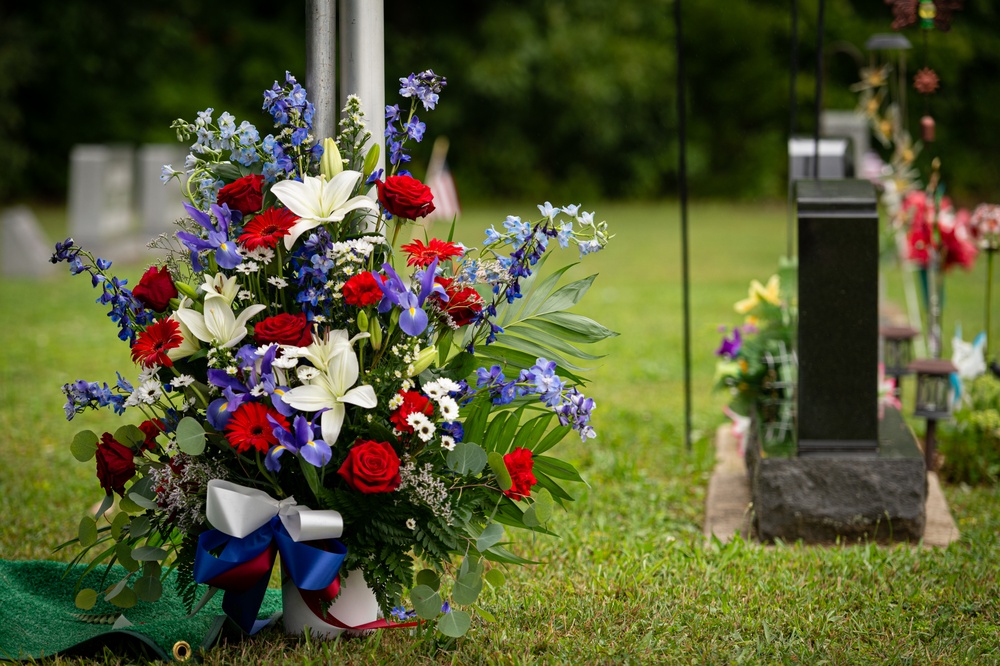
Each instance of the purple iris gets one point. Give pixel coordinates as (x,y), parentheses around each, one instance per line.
(730,347)
(226,255)
(261,379)
(412,319)
(221,410)
(300,441)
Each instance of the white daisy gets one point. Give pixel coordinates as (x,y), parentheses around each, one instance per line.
(448,407)
(278,282)
(181,381)
(447,442)
(421,425)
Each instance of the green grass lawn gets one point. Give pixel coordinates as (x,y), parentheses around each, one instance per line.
(631,579)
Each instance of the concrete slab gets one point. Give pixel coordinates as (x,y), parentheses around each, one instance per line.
(728,507)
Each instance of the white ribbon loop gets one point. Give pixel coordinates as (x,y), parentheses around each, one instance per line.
(240,511)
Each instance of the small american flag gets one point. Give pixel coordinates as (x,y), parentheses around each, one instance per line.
(446,206)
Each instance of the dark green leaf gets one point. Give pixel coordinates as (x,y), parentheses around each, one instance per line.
(123,552)
(455,623)
(552,438)
(84,445)
(467,588)
(190,436)
(144,553)
(148,588)
(467,458)
(130,435)
(118,524)
(86,598)
(557,468)
(490,536)
(88,532)
(495,578)
(429,578)
(426,602)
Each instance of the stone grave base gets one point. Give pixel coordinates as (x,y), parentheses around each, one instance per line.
(826,498)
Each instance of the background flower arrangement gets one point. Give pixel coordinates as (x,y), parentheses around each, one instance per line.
(756,362)
(285,347)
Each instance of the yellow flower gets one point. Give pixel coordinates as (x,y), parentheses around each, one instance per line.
(758,293)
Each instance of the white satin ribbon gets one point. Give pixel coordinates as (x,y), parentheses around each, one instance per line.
(239,511)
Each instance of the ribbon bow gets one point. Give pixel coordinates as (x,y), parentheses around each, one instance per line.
(251,527)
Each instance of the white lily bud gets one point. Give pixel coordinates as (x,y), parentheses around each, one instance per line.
(332,163)
(423,360)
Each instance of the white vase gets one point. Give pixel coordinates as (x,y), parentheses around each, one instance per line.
(356,605)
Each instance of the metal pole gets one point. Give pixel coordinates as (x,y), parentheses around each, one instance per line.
(321,65)
(362,62)
(793,67)
(819,85)
(682,181)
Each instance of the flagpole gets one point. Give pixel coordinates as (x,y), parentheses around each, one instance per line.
(682,178)
(362,62)
(321,65)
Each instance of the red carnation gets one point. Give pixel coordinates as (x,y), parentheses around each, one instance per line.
(284,329)
(463,304)
(371,467)
(422,255)
(249,428)
(267,229)
(150,429)
(153,344)
(115,464)
(155,288)
(243,194)
(413,402)
(405,197)
(519,463)
(362,290)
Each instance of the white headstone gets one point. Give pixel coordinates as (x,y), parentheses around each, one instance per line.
(850,124)
(160,205)
(26,251)
(100,195)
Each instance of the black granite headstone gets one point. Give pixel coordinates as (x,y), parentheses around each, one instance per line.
(838,317)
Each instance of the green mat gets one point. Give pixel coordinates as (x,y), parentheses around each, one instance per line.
(39,619)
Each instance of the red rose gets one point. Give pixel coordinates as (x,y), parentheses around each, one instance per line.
(412,402)
(463,304)
(405,196)
(362,290)
(243,194)
(155,288)
(284,329)
(519,463)
(371,467)
(115,464)
(150,429)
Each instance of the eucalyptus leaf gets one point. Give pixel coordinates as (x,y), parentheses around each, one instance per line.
(145,553)
(84,445)
(495,578)
(455,623)
(140,526)
(125,599)
(543,505)
(116,589)
(190,436)
(500,470)
(490,536)
(530,517)
(118,525)
(467,588)
(85,599)
(143,502)
(128,506)
(130,435)
(426,601)
(428,577)
(467,458)
(123,552)
(105,505)
(148,588)
(88,531)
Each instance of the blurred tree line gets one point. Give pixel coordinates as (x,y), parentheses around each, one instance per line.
(546,98)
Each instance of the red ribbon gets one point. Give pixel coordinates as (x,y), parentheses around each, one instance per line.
(315,599)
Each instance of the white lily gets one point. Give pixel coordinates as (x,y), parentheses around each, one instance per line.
(190,344)
(218,325)
(317,201)
(331,390)
(323,350)
(221,286)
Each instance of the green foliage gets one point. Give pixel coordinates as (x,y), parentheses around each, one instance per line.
(970,444)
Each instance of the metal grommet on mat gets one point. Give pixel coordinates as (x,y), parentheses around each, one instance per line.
(182,651)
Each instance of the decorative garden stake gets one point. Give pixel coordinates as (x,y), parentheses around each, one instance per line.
(933,399)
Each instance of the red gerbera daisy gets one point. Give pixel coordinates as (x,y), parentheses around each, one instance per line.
(153,344)
(249,428)
(267,229)
(423,255)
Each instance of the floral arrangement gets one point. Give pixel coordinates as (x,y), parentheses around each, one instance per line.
(393,406)
(756,363)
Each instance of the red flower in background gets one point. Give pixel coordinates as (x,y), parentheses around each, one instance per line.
(249,428)
(150,429)
(463,304)
(422,255)
(405,196)
(955,241)
(362,290)
(153,344)
(243,194)
(371,467)
(267,229)
(115,464)
(413,402)
(519,463)
(284,329)
(155,288)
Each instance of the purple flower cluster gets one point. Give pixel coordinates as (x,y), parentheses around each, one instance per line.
(400,127)
(572,407)
(226,254)
(293,116)
(424,86)
(312,267)
(126,310)
(81,395)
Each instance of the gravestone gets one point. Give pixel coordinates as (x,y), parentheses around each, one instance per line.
(26,251)
(160,205)
(851,124)
(855,475)
(100,196)
(835,159)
